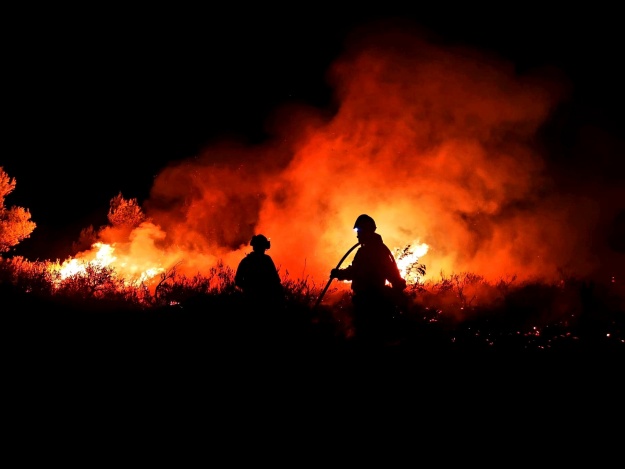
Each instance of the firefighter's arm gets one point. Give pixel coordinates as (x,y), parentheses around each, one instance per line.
(341,274)
(399,283)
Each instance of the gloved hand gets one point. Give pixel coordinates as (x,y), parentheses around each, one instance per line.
(334,273)
(399,285)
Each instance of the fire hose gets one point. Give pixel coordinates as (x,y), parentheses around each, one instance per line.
(337,266)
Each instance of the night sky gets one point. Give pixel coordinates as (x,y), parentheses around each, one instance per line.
(100,102)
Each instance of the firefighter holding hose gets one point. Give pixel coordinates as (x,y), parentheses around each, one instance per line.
(375,303)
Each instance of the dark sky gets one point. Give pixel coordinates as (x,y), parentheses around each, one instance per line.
(98,102)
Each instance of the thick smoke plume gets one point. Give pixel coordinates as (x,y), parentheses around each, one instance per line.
(440,145)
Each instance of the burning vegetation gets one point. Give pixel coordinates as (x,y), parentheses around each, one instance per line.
(440,144)
(460,311)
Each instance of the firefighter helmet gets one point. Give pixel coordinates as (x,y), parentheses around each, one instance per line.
(365,222)
(260,241)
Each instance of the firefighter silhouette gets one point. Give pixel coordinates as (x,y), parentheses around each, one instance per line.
(376,304)
(257,276)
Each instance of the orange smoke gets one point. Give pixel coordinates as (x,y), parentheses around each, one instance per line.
(437,144)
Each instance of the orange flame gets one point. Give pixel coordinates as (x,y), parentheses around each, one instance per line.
(133,270)
(436,144)
(408,259)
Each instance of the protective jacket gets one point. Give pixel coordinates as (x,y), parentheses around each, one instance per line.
(372,266)
(257,276)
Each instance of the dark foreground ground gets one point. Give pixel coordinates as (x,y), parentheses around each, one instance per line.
(213,333)
(201,369)
(90,380)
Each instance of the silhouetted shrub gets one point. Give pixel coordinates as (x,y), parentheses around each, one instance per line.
(460,312)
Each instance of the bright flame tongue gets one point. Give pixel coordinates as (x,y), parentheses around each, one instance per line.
(102,256)
(408,258)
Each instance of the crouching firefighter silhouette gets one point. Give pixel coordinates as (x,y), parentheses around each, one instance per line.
(376,305)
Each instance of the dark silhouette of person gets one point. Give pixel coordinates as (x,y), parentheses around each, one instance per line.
(258,278)
(375,304)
